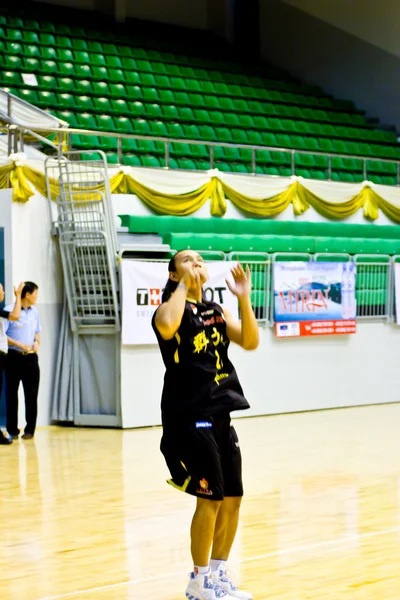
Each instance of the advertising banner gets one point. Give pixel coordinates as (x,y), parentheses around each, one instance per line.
(142,287)
(397,290)
(314,298)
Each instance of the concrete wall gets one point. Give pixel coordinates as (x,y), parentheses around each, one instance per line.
(374,22)
(82,4)
(318,52)
(177,12)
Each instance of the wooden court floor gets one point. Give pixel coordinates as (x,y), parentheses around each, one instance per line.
(86,513)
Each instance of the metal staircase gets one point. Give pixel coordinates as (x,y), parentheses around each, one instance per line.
(84,225)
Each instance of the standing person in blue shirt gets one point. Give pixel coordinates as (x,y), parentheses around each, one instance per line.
(5,316)
(22,362)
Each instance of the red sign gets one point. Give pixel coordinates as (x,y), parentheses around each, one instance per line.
(314,328)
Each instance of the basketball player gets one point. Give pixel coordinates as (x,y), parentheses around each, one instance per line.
(201,389)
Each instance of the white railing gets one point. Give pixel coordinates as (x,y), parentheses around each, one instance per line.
(64,143)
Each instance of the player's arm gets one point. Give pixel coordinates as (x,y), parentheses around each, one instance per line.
(244,333)
(169,314)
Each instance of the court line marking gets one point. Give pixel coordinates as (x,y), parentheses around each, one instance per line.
(293,550)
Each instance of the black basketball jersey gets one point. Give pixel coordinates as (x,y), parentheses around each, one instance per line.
(200,379)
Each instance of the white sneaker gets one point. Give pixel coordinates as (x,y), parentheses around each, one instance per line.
(223,581)
(204,587)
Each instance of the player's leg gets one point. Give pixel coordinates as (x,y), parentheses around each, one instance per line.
(225,528)
(202,531)
(194,462)
(228,515)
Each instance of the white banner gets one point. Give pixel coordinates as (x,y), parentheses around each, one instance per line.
(142,286)
(397,289)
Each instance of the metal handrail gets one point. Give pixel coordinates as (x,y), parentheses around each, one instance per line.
(33,107)
(211,145)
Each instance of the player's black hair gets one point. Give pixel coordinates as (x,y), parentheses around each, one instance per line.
(170,286)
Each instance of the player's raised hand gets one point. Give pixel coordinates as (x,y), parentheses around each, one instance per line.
(242,281)
(191,278)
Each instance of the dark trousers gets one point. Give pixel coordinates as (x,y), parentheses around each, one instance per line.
(25,368)
(3,357)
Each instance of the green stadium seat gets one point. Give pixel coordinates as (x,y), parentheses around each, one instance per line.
(29,95)
(133,78)
(83,71)
(131,160)
(123,125)
(87,121)
(186,114)
(99,88)
(117,90)
(89,142)
(115,75)
(112,158)
(81,56)
(30,37)
(65,54)
(110,49)
(46,99)
(158,129)
(46,53)
(66,100)
(108,143)
(62,29)
(94,46)
(82,86)
(10,79)
(65,69)
(184,163)
(104,123)
(15,49)
(69,117)
(85,103)
(13,63)
(79,44)
(150,161)
(14,35)
(141,127)
(151,95)
(14,22)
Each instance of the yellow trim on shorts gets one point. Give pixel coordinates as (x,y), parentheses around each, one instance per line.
(181,488)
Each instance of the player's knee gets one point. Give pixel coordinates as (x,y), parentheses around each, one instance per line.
(205,505)
(232,503)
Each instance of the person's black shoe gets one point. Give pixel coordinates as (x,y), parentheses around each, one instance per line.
(27,436)
(14,435)
(5,441)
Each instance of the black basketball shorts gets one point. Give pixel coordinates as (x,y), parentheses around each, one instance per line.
(203,457)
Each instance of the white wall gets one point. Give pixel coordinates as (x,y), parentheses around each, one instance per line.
(286,375)
(375,22)
(35,258)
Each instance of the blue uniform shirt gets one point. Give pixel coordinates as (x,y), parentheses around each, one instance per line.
(25,328)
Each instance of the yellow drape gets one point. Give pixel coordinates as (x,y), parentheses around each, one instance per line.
(171,204)
(23,178)
(266,207)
